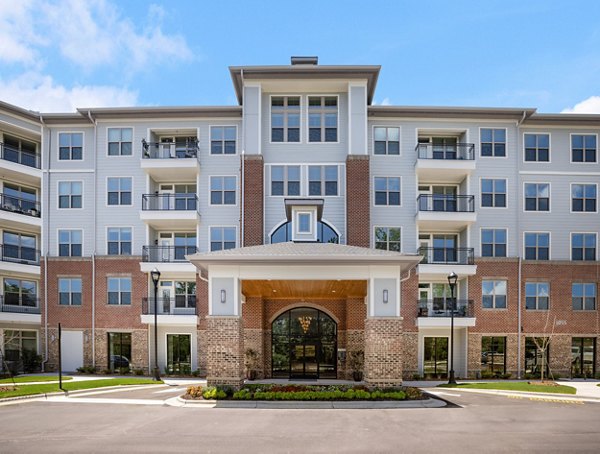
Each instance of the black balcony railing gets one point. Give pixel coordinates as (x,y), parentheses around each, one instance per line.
(19,254)
(23,304)
(170,150)
(13,154)
(169,202)
(442,307)
(19,205)
(446,255)
(179,305)
(459,151)
(446,203)
(167,253)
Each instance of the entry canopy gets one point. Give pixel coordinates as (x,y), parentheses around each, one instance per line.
(304,254)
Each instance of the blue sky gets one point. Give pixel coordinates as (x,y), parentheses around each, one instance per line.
(56,55)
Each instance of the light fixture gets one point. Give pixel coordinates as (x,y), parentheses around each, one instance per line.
(155,276)
(223,296)
(452,278)
(385,296)
(305,322)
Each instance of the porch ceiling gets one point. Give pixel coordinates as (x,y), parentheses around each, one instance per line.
(297,289)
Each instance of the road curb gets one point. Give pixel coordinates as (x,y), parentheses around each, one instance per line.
(69,393)
(556,396)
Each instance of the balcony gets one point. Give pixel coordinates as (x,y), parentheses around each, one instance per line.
(26,158)
(180,310)
(20,309)
(437,263)
(171,161)
(163,211)
(447,212)
(171,258)
(451,162)
(18,213)
(436,313)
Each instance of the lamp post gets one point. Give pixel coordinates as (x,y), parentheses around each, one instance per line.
(452,278)
(155,274)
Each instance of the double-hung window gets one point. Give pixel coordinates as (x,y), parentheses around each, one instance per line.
(69,291)
(493,193)
(583,148)
(387,191)
(222,238)
(223,139)
(537,295)
(583,246)
(537,147)
(285,180)
(493,142)
(387,141)
(537,246)
(583,198)
(493,294)
(285,119)
(70,243)
(20,292)
(120,141)
(537,197)
(583,295)
(70,194)
(222,190)
(322,180)
(119,290)
(119,191)
(70,146)
(493,242)
(118,241)
(387,238)
(322,119)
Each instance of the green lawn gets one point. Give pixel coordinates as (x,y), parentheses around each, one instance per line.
(515,386)
(33,379)
(28,390)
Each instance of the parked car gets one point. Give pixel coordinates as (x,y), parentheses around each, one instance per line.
(118,361)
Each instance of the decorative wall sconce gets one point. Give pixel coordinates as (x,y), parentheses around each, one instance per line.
(385,296)
(223,296)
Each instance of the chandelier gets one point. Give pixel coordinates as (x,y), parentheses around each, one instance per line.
(305,322)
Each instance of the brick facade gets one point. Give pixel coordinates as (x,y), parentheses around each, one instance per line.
(358,203)
(253,205)
(383,351)
(225,351)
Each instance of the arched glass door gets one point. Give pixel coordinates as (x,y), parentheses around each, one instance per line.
(304,344)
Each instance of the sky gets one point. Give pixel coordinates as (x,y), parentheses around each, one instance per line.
(58,55)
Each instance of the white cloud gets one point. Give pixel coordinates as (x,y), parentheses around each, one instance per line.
(41,93)
(18,37)
(589,105)
(384,102)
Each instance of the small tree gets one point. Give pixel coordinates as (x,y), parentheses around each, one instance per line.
(542,343)
(251,363)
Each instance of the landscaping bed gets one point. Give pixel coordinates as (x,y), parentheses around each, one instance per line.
(535,387)
(272,392)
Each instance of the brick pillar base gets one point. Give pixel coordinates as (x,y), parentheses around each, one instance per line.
(225,351)
(383,351)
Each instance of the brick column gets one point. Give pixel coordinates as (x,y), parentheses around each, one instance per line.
(225,351)
(358,206)
(383,351)
(253,199)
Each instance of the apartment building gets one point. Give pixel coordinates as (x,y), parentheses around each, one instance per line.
(305,224)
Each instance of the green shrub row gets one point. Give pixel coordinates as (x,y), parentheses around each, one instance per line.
(349,394)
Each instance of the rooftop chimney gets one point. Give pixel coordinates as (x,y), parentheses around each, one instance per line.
(305,61)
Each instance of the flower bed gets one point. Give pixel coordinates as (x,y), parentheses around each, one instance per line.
(303,393)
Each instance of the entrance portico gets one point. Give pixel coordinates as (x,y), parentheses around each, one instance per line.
(251,288)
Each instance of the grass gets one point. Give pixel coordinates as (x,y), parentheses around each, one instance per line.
(28,390)
(515,386)
(33,379)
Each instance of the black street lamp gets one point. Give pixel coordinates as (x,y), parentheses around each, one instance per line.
(452,278)
(155,274)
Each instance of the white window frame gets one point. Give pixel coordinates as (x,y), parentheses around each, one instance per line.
(538,133)
(583,309)
(285,128)
(286,180)
(537,198)
(537,296)
(58,207)
(481,194)
(120,155)
(505,143)
(494,294)
(224,205)
(108,227)
(549,245)
(571,197)
(571,246)
(323,180)
(374,127)
(210,230)
(58,230)
(307,114)
(297,235)
(70,279)
(375,227)
(210,140)
(481,229)
(120,292)
(571,148)
(119,192)
(71,147)
(387,191)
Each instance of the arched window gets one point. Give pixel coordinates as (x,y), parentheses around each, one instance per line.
(325,234)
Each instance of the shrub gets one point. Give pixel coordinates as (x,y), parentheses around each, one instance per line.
(506,376)
(86,370)
(196,373)
(417,377)
(138,371)
(107,372)
(124,370)
(486,374)
(32,362)
(212,392)
(194,392)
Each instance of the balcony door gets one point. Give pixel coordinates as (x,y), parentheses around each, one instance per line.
(165,293)
(166,192)
(165,242)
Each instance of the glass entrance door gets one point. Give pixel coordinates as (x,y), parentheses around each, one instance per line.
(435,357)
(303,360)
(179,354)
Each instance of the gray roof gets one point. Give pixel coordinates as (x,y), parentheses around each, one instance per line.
(304,253)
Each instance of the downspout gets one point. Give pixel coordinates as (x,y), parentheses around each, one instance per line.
(94,247)
(45,221)
(243,153)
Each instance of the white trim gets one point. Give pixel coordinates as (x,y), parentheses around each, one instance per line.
(237,139)
(374,191)
(571,198)
(106,205)
(297,216)
(481,194)
(301,113)
(58,230)
(571,246)
(237,190)
(378,226)
(549,244)
(505,144)
(549,197)
(571,148)
(495,279)
(481,239)
(210,227)
(537,133)
(132,142)
(58,182)
(106,227)
(558,172)
(74,131)
(69,170)
(307,126)
(399,128)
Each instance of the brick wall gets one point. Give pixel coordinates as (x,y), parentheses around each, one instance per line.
(358,206)
(225,351)
(383,351)
(253,199)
